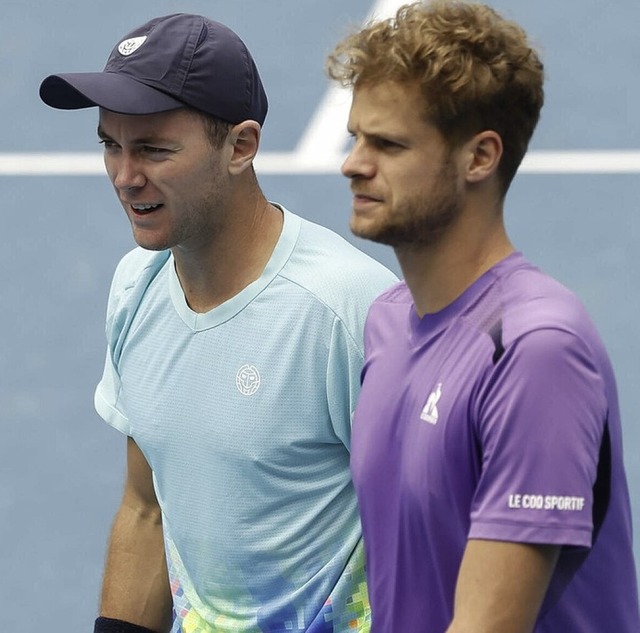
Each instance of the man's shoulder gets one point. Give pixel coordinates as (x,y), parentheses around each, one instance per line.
(326,264)
(397,294)
(534,299)
(328,271)
(534,303)
(135,271)
(137,265)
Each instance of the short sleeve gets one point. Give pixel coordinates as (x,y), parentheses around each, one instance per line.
(343,380)
(106,399)
(132,276)
(540,421)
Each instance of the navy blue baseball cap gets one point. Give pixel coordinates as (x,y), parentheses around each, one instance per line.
(170,62)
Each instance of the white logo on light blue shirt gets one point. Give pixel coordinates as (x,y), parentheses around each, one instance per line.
(248,380)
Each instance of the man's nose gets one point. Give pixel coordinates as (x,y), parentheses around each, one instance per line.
(358,163)
(126,172)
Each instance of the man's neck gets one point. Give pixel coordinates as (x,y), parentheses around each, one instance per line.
(437,274)
(235,258)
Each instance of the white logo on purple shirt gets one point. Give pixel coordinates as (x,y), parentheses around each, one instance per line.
(430,411)
(546,502)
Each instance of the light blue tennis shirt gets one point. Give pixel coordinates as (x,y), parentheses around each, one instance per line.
(244,415)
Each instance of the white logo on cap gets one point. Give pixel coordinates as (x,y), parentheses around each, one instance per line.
(131,45)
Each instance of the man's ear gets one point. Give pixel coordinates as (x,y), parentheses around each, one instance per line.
(245,140)
(484,152)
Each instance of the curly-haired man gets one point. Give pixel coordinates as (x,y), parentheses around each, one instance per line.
(487,449)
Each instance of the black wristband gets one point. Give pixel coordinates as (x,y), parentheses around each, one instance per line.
(110,625)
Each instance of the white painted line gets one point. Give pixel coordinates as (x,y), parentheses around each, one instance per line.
(585,162)
(51,164)
(291,163)
(384,9)
(326,135)
(298,163)
(535,162)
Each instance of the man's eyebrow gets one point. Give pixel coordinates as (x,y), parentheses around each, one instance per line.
(142,140)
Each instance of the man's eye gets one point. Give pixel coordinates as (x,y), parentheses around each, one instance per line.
(107,143)
(150,149)
(385,143)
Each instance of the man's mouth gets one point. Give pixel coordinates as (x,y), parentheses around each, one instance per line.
(145,208)
(363,198)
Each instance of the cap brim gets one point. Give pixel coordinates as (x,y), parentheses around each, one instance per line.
(112,91)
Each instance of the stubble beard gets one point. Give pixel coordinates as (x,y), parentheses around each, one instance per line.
(198,224)
(186,232)
(418,221)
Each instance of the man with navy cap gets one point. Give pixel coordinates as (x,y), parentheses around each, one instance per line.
(234,352)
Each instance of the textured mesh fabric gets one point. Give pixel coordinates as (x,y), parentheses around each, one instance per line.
(244,416)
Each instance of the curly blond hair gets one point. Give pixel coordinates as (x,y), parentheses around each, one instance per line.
(477,71)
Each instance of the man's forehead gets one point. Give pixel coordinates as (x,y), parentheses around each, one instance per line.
(159,123)
(386,105)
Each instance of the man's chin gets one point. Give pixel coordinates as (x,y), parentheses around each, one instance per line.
(150,244)
(363,228)
(371,232)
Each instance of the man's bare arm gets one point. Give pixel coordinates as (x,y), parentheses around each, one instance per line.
(136,584)
(501,586)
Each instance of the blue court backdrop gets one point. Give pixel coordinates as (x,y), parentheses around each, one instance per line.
(61,467)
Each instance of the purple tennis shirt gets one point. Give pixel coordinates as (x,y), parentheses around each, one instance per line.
(496,418)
